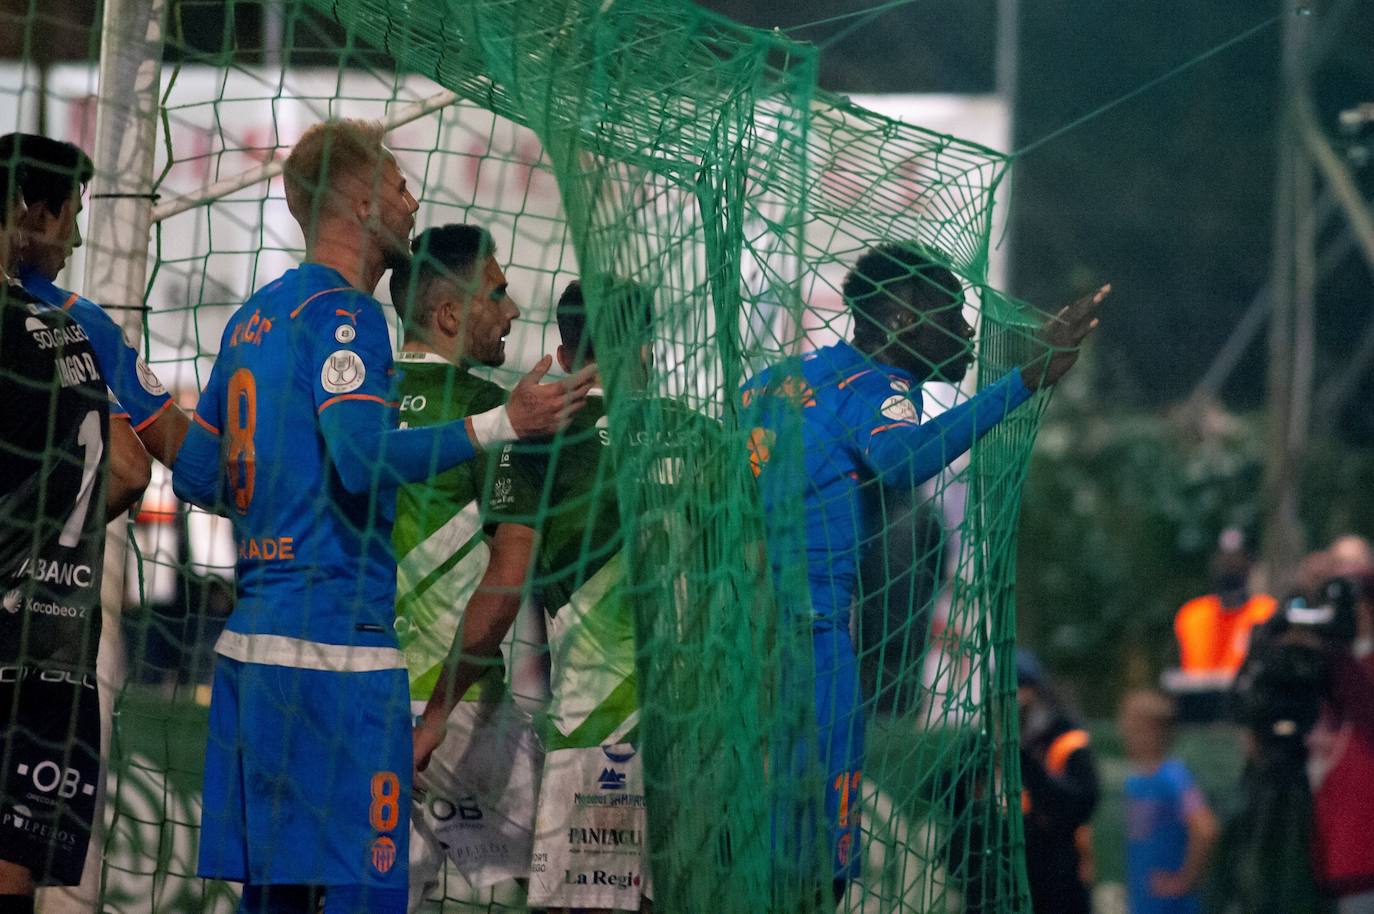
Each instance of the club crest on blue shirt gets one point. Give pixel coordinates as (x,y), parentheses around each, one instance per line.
(899,408)
(147,379)
(343,372)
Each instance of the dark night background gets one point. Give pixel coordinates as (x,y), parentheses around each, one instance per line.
(1167,196)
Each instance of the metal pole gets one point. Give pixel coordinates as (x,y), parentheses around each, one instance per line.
(117,272)
(1290,291)
(273,32)
(1005,84)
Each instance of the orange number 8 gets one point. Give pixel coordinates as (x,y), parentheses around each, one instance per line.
(386,795)
(760,448)
(241,458)
(845,783)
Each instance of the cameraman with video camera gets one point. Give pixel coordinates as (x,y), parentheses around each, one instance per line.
(1340,762)
(1306,694)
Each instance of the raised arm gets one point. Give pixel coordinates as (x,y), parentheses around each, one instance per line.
(906,452)
(366,453)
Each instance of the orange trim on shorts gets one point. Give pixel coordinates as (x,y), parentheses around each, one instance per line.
(203,424)
(124,416)
(302,305)
(332,400)
(154,417)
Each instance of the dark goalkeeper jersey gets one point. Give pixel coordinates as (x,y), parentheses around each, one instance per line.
(54,426)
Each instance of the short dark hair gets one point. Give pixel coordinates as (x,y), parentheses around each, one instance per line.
(894,277)
(50,172)
(444,252)
(626,300)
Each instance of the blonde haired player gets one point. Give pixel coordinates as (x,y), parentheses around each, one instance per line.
(308,767)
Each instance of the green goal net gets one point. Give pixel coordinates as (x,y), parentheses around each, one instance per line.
(665,146)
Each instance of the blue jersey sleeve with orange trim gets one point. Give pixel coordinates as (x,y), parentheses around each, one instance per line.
(905,452)
(137,388)
(349,358)
(197,475)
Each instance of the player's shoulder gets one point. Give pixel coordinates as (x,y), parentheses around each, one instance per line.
(1176,774)
(859,384)
(45,292)
(484,393)
(310,293)
(429,380)
(47,327)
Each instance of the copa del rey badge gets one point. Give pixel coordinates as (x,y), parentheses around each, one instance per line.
(343,372)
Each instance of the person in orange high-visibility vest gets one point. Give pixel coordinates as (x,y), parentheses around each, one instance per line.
(1059,777)
(1213,631)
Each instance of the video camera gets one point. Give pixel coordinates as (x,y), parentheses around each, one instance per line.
(1285,678)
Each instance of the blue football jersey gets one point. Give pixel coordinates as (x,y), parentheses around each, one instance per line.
(314,561)
(827,422)
(138,394)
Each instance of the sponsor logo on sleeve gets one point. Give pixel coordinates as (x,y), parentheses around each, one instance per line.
(345,333)
(343,372)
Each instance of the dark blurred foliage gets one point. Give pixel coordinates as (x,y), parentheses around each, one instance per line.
(1122,511)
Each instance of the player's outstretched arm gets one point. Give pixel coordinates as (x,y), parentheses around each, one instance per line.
(367,454)
(197,473)
(489,615)
(907,453)
(197,468)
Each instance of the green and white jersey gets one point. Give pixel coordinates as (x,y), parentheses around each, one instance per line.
(580,572)
(440,543)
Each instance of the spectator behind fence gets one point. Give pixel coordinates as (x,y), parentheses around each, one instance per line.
(1059,778)
(1213,630)
(1170,830)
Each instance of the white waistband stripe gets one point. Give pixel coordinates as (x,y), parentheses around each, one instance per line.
(279,650)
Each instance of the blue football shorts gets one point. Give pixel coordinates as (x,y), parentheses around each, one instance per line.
(307,777)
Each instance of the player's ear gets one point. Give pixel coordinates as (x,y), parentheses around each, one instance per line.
(565,358)
(449,315)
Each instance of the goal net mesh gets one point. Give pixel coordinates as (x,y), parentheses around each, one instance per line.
(654,142)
